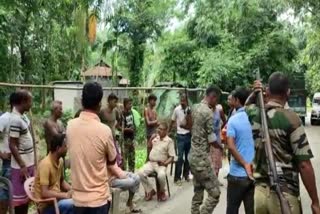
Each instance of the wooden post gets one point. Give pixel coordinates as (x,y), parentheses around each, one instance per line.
(35,152)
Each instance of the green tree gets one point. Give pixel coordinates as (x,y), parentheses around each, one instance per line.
(233,38)
(140,21)
(180,60)
(40,41)
(308,13)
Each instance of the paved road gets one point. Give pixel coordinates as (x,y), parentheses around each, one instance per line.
(180,202)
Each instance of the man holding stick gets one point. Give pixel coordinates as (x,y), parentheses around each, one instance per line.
(289,146)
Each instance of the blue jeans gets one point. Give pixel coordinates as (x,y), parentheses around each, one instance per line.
(131,183)
(184,145)
(93,210)
(5,172)
(65,207)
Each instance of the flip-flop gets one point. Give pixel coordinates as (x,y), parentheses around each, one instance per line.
(136,210)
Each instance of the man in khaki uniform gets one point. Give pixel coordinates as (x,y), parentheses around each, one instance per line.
(161,155)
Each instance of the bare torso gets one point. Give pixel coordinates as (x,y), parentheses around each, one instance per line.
(151,114)
(52,128)
(109,118)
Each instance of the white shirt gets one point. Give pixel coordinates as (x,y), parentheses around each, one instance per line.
(4,129)
(219,107)
(180,117)
(19,128)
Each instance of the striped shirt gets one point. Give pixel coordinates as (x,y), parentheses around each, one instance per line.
(19,128)
(4,129)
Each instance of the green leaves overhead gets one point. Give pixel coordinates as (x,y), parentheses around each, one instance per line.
(192,42)
(308,12)
(226,41)
(140,21)
(181,62)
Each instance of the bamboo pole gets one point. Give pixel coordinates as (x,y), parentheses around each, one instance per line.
(104,88)
(35,148)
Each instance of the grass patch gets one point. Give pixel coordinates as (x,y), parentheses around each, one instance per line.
(141,156)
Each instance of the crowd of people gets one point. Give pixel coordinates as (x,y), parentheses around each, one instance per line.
(248,178)
(101,146)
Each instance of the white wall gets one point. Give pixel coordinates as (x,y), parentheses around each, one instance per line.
(67,96)
(71,98)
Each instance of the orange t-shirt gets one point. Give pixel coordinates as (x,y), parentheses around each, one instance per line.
(224,134)
(91,149)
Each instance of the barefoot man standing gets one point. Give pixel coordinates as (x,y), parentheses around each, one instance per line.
(150,116)
(53,126)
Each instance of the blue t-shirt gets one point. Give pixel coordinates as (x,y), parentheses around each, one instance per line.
(240,129)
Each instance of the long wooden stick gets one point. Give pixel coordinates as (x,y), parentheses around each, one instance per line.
(104,88)
(272,167)
(35,152)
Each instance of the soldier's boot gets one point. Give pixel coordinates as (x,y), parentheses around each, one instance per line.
(197,201)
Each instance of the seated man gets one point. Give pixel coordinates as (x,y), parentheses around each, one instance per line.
(161,155)
(125,181)
(49,180)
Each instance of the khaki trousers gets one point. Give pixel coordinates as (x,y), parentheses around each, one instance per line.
(148,169)
(267,202)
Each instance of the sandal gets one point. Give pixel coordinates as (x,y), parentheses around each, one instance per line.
(162,196)
(150,195)
(136,210)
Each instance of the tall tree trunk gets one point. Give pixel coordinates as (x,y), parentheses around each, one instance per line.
(11,75)
(23,50)
(136,63)
(43,92)
(113,68)
(23,63)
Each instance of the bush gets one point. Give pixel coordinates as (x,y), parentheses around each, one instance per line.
(141,156)
(141,134)
(67,115)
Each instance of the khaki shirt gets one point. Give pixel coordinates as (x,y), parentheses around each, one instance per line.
(162,150)
(49,174)
(91,149)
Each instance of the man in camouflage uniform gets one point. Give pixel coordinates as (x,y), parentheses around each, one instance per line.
(291,151)
(200,165)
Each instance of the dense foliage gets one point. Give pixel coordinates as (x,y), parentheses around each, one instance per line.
(308,13)
(192,42)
